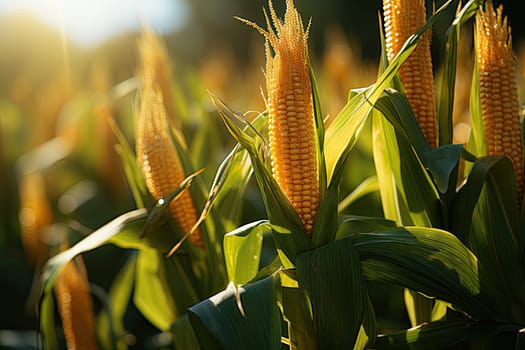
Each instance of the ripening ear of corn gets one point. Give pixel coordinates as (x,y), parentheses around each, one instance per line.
(76,307)
(160,162)
(402,19)
(156,152)
(498,88)
(291,116)
(35,217)
(156,67)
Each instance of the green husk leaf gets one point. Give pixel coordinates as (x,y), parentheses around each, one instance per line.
(447,83)
(319,142)
(228,186)
(476,143)
(326,220)
(289,234)
(243,318)
(46,318)
(132,170)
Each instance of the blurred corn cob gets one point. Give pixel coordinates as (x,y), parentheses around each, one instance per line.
(75,306)
(498,88)
(291,116)
(402,19)
(35,217)
(158,157)
(156,67)
(107,160)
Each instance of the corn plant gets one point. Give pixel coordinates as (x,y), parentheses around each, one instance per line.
(165,273)
(466,211)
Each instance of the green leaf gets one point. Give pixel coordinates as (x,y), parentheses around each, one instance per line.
(242,251)
(427,260)
(498,174)
(326,220)
(130,221)
(352,224)
(150,296)
(396,109)
(441,161)
(387,183)
(441,334)
(407,193)
(419,307)
(126,231)
(330,277)
(447,83)
(183,278)
(341,135)
(110,323)
(486,218)
(300,326)
(243,318)
(134,177)
(229,184)
(476,143)
(46,318)
(183,335)
(319,141)
(367,186)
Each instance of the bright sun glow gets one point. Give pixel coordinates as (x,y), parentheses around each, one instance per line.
(88,22)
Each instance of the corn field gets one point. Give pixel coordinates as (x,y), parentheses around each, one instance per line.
(311,202)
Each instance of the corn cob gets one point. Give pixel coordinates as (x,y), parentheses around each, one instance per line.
(291,116)
(159,160)
(35,216)
(76,307)
(156,67)
(402,19)
(107,161)
(497,68)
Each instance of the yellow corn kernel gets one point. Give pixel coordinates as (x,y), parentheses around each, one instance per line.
(402,19)
(156,67)
(35,217)
(159,160)
(291,115)
(76,307)
(498,87)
